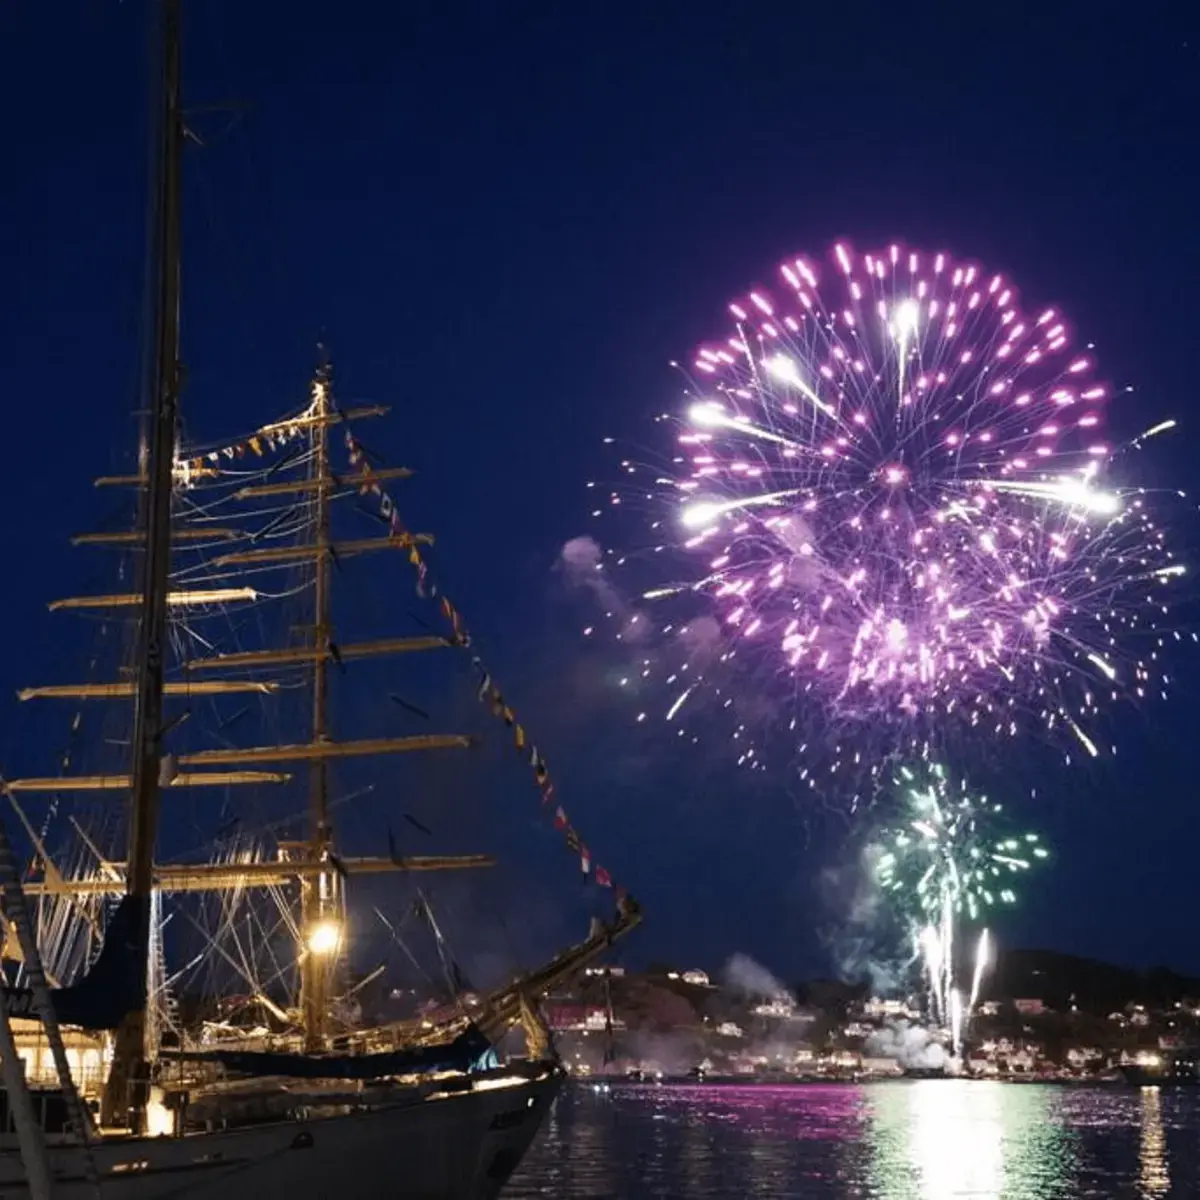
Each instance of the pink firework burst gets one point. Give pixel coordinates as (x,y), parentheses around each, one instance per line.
(891,485)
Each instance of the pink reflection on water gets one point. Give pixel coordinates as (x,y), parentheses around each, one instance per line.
(796,1111)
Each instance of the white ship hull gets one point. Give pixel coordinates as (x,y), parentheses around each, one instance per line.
(446,1146)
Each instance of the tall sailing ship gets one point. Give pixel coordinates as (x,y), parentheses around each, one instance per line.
(225,707)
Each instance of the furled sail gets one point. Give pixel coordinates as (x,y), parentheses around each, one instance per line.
(110,988)
(470,1051)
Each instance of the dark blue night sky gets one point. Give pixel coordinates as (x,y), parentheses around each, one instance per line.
(506,220)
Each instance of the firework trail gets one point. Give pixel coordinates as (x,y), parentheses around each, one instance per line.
(944,863)
(890,493)
(982,962)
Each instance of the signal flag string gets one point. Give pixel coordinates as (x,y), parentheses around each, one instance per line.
(489,693)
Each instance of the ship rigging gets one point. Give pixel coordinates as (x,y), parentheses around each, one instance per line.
(227,537)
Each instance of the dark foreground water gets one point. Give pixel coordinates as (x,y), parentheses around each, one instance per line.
(925,1140)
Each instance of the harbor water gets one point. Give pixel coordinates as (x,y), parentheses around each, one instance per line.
(924,1140)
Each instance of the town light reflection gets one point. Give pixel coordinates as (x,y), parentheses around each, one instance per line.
(1154,1177)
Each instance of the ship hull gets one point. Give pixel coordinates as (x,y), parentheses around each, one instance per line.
(461,1146)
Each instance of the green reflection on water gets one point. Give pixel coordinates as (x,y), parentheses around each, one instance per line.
(953,1138)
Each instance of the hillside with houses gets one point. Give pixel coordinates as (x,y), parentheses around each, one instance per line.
(1042,1014)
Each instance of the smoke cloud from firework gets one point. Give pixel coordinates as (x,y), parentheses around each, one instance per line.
(889,488)
(865,933)
(581,561)
(751,979)
(912,1046)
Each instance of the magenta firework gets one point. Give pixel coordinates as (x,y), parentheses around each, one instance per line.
(891,484)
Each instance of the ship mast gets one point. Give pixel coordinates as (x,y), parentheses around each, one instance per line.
(312,864)
(320,930)
(125,1094)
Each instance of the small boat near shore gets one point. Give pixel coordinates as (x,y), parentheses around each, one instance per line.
(1174,1068)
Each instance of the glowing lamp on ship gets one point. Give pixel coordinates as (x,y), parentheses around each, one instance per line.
(324,938)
